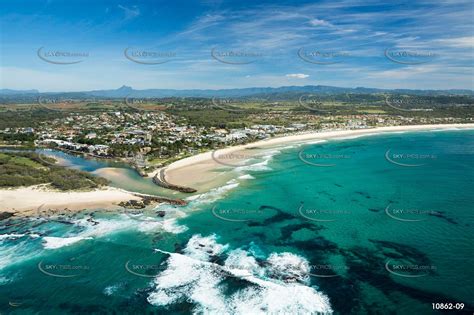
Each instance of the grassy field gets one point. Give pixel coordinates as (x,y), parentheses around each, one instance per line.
(21,160)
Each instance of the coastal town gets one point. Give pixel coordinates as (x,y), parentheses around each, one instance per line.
(236,157)
(152,139)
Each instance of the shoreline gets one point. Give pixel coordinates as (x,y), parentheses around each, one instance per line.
(201,171)
(13,200)
(160,180)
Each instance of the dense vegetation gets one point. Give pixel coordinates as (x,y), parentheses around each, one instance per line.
(203,112)
(17,138)
(27,168)
(25,116)
(213,117)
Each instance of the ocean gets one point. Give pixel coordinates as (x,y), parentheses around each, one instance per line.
(381,224)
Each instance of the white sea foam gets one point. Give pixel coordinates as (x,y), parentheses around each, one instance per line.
(212,195)
(188,278)
(288,266)
(172,226)
(10,236)
(361,135)
(21,251)
(191,198)
(241,173)
(240,263)
(448,129)
(261,165)
(104,227)
(50,242)
(170,211)
(256,167)
(246,176)
(111,289)
(192,277)
(269,154)
(314,142)
(277,298)
(202,248)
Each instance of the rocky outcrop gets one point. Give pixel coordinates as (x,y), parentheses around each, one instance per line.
(147,200)
(160,180)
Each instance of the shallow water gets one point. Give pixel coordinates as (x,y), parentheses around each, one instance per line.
(120,175)
(339,226)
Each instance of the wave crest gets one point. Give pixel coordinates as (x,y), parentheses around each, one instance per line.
(196,277)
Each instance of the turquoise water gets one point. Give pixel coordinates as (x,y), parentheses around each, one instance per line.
(123,176)
(380,224)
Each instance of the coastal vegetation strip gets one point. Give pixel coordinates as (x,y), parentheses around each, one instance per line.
(28,168)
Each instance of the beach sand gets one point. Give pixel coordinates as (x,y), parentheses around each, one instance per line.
(202,172)
(212,169)
(27,200)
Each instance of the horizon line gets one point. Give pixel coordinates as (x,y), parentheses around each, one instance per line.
(237,88)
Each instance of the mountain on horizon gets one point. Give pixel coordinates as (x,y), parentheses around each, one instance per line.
(125,91)
(16,92)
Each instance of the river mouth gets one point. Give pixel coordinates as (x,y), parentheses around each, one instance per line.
(119,174)
(356,233)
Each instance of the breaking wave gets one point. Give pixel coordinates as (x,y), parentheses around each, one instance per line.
(101,227)
(278,285)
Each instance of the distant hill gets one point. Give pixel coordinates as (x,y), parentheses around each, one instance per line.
(17,92)
(284,91)
(244,92)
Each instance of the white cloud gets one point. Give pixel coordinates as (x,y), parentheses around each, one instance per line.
(318,22)
(297,76)
(131,12)
(459,42)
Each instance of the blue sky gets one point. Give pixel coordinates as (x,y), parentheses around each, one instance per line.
(194,44)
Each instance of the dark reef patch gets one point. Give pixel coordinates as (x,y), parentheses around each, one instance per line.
(368,266)
(286,231)
(319,243)
(441,215)
(279,217)
(362,193)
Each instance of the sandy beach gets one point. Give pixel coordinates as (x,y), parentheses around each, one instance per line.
(202,172)
(27,200)
(211,169)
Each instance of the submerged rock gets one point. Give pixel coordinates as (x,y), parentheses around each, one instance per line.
(6,215)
